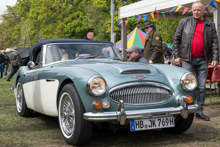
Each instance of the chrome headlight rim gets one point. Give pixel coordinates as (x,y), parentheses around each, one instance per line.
(182,81)
(89,83)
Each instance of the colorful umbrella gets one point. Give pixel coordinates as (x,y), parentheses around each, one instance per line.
(170,46)
(136,37)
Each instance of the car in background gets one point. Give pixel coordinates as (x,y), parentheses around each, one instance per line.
(84,82)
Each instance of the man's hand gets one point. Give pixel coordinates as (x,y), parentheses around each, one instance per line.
(214,63)
(151,62)
(178,61)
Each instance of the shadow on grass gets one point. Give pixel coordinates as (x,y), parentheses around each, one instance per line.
(145,138)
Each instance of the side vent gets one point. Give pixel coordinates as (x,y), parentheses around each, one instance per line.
(130,71)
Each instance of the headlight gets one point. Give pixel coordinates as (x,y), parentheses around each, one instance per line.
(96,86)
(188,82)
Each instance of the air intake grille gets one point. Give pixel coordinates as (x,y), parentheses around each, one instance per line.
(135,71)
(141,94)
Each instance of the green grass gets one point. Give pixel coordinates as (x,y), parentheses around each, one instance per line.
(215,98)
(16,131)
(41,130)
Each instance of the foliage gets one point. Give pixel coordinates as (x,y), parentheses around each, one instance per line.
(166,28)
(67,19)
(10,20)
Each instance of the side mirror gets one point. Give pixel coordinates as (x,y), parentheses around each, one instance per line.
(31,65)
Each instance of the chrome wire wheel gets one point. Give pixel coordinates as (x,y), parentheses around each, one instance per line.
(75,130)
(19,97)
(66,115)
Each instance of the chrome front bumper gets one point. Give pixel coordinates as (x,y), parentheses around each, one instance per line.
(121,115)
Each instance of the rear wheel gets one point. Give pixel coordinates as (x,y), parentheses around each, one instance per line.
(21,105)
(75,130)
(181,125)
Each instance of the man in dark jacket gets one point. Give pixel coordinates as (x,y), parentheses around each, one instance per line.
(16,62)
(7,61)
(195,43)
(153,50)
(90,36)
(134,53)
(2,62)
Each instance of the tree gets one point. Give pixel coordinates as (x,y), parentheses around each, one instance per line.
(167,28)
(69,19)
(10,22)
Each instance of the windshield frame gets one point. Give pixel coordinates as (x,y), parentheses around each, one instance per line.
(113,49)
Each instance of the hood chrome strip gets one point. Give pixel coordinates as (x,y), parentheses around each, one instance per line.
(129,71)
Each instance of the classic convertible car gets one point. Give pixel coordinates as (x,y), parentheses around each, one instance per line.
(85,82)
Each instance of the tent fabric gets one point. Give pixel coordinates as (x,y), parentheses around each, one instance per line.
(145,6)
(24,52)
(136,37)
(170,46)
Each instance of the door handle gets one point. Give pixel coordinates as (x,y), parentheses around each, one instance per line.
(50,80)
(25,74)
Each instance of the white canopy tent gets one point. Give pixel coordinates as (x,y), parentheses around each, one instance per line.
(145,7)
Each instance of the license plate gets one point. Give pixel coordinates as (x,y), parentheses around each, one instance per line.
(152,123)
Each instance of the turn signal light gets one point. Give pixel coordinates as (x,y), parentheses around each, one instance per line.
(189,99)
(97,105)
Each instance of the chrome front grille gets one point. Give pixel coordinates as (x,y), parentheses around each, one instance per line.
(141,93)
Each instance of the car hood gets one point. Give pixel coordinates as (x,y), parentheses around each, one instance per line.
(123,69)
(108,70)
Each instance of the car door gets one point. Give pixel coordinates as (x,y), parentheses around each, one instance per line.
(31,87)
(47,84)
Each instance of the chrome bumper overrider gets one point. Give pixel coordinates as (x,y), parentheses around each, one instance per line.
(121,115)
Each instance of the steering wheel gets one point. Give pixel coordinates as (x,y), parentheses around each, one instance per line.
(101,57)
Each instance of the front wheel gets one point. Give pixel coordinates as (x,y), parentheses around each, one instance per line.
(21,105)
(181,125)
(75,129)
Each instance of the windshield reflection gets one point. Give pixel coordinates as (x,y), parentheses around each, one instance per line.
(61,52)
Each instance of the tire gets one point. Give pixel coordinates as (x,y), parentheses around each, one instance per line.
(21,105)
(181,125)
(75,130)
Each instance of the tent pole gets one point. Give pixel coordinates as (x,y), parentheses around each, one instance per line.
(25,36)
(124,39)
(216,19)
(28,38)
(112,13)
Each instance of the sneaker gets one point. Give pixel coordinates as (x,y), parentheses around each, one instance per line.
(202,117)
(7,79)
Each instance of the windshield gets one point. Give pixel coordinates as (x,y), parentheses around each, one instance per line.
(60,52)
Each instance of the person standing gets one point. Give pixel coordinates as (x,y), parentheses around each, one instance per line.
(16,62)
(7,61)
(90,36)
(134,53)
(40,38)
(153,50)
(2,62)
(167,54)
(195,43)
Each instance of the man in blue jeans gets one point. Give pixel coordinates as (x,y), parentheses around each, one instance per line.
(2,62)
(7,61)
(16,63)
(195,44)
